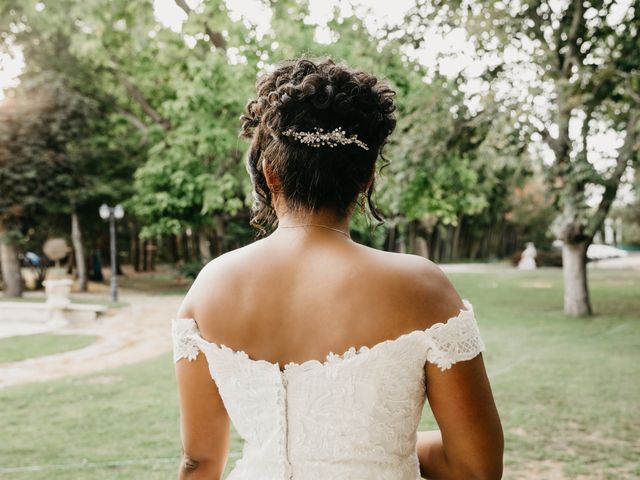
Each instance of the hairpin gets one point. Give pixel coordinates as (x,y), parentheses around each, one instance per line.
(319,137)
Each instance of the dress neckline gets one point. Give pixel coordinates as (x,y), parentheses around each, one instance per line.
(350,353)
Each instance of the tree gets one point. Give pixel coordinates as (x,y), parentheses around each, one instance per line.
(195,174)
(431,178)
(168,104)
(37,124)
(583,57)
(434,173)
(114,137)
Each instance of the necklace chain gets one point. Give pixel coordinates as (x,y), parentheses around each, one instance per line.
(315,225)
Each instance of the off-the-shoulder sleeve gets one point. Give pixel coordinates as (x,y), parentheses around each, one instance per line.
(456,340)
(185,334)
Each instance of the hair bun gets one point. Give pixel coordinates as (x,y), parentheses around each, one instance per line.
(354,115)
(301,94)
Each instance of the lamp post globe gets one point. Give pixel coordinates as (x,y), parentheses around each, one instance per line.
(112,214)
(118,212)
(105,211)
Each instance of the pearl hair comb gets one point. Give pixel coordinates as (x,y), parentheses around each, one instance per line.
(319,138)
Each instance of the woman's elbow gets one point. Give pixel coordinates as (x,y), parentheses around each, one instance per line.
(489,462)
(192,468)
(489,467)
(485,472)
(492,473)
(484,464)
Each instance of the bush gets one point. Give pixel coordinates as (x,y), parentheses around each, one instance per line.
(190,270)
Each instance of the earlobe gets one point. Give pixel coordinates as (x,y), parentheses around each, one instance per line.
(269,177)
(267,174)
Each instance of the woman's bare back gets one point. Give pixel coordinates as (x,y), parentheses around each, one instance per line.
(291,297)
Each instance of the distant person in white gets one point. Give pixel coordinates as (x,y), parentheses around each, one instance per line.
(528,258)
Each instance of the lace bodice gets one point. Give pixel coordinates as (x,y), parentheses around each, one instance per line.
(353,416)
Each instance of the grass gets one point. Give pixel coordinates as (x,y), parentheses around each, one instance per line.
(167,283)
(567,390)
(13,349)
(23,299)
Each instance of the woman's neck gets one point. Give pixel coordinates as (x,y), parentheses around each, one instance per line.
(324,218)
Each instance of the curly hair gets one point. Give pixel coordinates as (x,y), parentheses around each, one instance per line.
(302,95)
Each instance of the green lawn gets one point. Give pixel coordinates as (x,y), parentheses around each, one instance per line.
(168,283)
(567,391)
(13,349)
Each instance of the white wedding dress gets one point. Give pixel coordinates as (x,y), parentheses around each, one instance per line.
(353,416)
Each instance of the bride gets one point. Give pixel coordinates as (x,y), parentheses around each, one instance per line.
(322,351)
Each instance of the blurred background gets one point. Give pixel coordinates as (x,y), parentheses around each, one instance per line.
(514,166)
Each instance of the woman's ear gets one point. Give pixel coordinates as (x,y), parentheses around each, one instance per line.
(270,177)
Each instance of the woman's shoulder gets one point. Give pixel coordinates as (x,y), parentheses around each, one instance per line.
(414,269)
(429,294)
(213,284)
(421,290)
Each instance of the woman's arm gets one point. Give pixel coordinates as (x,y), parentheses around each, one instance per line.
(430,454)
(204,422)
(469,443)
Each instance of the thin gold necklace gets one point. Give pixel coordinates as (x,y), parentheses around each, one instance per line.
(315,225)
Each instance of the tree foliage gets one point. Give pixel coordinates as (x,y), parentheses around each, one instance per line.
(582,59)
(40,125)
(164,140)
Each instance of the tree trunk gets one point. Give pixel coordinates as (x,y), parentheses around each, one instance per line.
(186,247)
(412,227)
(431,244)
(220,235)
(133,246)
(437,244)
(422,248)
(204,247)
(173,248)
(179,248)
(78,248)
(142,257)
(11,275)
(455,248)
(391,240)
(574,270)
(149,255)
(402,245)
(446,247)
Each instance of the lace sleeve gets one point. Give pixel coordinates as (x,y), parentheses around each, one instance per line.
(185,339)
(456,340)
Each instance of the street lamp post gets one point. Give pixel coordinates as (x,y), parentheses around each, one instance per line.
(112,214)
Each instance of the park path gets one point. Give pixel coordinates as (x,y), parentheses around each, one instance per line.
(630,262)
(130,334)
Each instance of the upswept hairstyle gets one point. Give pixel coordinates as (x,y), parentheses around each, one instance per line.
(302,95)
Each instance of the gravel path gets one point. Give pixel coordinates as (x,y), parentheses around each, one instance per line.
(127,335)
